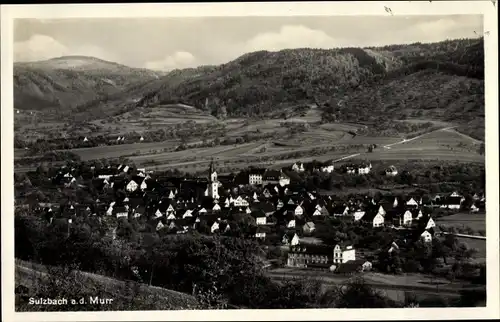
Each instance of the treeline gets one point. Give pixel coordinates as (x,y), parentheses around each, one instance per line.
(50,156)
(184,131)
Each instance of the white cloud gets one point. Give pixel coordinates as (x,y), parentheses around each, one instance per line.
(180,59)
(41,47)
(291,36)
(38,47)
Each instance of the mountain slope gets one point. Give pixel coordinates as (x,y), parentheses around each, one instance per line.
(264,83)
(69,81)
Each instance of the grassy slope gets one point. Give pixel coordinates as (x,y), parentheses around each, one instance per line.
(31,275)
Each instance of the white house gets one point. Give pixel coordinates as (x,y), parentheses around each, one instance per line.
(240,202)
(407,218)
(160,225)
(343,254)
(109,212)
(171,195)
(187,213)
(295,240)
(391,171)
(132,186)
(216,207)
(299,211)
(261,220)
(378,220)
(291,224)
(474,208)
(317,212)
(426,237)
(85,139)
(255,178)
(171,217)
(381,211)
(248,211)
(309,227)
(260,234)
(121,214)
(412,203)
(141,139)
(358,215)
(202,211)
(158,213)
(215,227)
(170,209)
(365,169)
(298,167)
(328,168)
(430,224)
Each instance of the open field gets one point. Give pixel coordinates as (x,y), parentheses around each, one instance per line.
(116,151)
(443,144)
(393,286)
(474,221)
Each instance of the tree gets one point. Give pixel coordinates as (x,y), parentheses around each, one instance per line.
(358,294)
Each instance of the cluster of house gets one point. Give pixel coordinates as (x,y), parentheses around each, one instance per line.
(210,205)
(118,139)
(351,168)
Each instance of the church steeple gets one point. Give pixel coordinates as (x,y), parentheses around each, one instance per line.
(213,186)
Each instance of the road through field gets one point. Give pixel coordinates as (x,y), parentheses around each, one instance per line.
(388,146)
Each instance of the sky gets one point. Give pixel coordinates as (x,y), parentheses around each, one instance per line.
(170,43)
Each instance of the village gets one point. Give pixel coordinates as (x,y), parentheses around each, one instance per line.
(262,204)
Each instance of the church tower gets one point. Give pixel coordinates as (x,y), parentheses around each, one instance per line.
(213,182)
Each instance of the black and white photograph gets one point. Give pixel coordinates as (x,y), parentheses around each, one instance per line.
(222,157)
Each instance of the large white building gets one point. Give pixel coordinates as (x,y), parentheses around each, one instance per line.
(343,254)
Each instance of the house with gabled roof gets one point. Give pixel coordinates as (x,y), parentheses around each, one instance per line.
(275,177)
(298,167)
(159,225)
(290,238)
(373,218)
(359,214)
(309,227)
(426,236)
(343,253)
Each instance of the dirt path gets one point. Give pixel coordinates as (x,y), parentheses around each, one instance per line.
(388,146)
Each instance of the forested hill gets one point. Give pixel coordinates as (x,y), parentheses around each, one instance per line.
(263,83)
(65,82)
(266,83)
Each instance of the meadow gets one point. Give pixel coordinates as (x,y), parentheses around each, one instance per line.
(475,221)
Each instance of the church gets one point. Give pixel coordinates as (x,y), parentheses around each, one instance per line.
(213,183)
